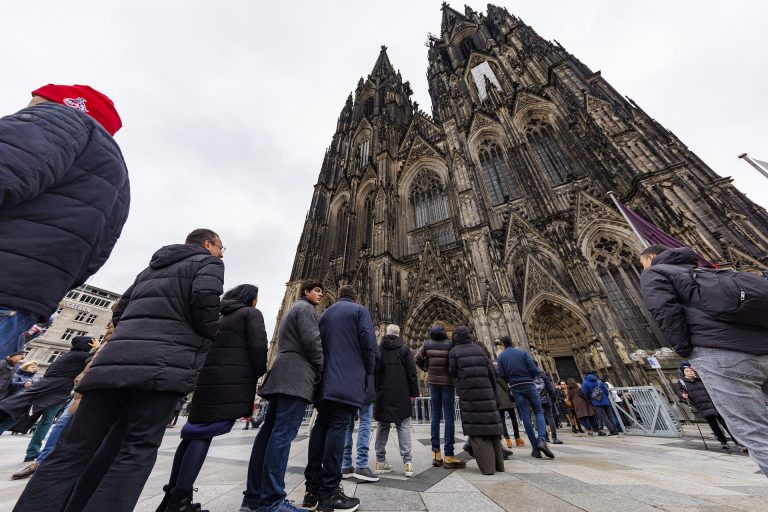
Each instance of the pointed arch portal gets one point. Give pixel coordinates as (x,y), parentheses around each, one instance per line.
(436,308)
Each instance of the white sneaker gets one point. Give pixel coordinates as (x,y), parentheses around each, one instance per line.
(382,467)
(408,469)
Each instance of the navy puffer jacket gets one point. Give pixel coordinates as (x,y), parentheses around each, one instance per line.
(64,197)
(349,349)
(165,324)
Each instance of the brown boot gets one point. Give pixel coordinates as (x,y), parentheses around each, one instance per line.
(519,442)
(437,459)
(509,443)
(452,462)
(25,473)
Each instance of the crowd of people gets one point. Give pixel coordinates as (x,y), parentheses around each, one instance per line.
(172,334)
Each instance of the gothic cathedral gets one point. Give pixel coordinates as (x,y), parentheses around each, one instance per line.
(493,212)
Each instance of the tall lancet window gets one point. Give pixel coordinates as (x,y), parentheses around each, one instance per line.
(369,209)
(497,177)
(428,198)
(363,152)
(552,161)
(342,227)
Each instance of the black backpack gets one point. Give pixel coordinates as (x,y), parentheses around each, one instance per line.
(730,296)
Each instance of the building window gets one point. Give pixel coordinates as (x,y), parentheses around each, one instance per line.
(368,107)
(54,356)
(69,333)
(479,74)
(428,198)
(341,230)
(85,317)
(96,301)
(58,311)
(72,294)
(368,217)
(466,46)
(363,153)
(496,175)
(551,160)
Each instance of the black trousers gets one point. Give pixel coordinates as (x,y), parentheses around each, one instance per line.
(140,415)
(513,419)
(326,447)
(713,424)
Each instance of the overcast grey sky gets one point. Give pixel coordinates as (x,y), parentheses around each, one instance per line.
(228,106)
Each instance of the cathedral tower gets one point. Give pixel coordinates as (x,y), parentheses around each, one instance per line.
(493,211)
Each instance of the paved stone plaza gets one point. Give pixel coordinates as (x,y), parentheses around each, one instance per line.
(596,474)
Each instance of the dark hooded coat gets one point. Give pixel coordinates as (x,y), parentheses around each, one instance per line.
(165,324)
(476,386)
(55,386)
(581,405)
(396,381)
(433,355)
(226,386)
(698,396)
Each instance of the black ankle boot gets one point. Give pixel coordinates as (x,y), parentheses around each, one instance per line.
(181,501)
(167,490)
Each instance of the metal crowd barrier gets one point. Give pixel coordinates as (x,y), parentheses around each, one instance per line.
(643,411)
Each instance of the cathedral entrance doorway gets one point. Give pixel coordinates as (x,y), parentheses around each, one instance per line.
(560,340)
(423,316)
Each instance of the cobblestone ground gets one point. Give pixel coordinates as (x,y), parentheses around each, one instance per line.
(596,474)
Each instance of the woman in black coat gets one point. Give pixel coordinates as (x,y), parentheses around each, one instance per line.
(478,400)
(692,389)
(224,391)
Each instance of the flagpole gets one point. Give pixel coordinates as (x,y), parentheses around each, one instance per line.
(643,241)
(753,164)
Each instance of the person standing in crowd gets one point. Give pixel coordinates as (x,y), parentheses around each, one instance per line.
(582,407)
(290,387)
(396,388)
(165,324)
(597,392)
(507,408)
(518,368)
(224,391)
(547,396)
(570,414)
(8,371)
(26,375)
(45,397)
(478,400)
(692,389)
(360,471)
(432,358)
(349,349)
(56,155)
(715,347)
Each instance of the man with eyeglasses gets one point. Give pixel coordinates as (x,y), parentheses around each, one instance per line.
(164,326)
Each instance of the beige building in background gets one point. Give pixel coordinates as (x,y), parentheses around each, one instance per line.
(85,311)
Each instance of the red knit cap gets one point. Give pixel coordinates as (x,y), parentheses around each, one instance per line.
(85,99)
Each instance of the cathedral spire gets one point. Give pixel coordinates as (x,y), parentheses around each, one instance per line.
(450,18)
(382,67)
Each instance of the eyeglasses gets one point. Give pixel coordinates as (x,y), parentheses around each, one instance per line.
(219,247)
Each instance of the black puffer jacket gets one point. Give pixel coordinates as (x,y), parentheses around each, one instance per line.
(433,355)
(478,398)
(226,386)
(698,396)
(395,381)
(164,324)
(64,197)
(665,284)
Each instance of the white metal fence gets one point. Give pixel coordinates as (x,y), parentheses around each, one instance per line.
(643,411)
(422,410)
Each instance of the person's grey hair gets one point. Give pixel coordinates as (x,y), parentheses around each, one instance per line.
(393,329)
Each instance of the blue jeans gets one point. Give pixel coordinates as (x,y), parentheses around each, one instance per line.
(737,382)
(50,443)
(363,439)
(442,400)
(13,323)
(265,487)
(526,395)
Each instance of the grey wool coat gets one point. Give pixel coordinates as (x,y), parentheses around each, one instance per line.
(298,365)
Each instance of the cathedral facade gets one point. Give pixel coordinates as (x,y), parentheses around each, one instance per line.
(493,211)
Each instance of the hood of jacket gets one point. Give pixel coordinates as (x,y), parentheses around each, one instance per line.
(591,378)
(81,344)
(230,306)
(170,254)
(391,342)
(677,256)
(461,335)
(438,333)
